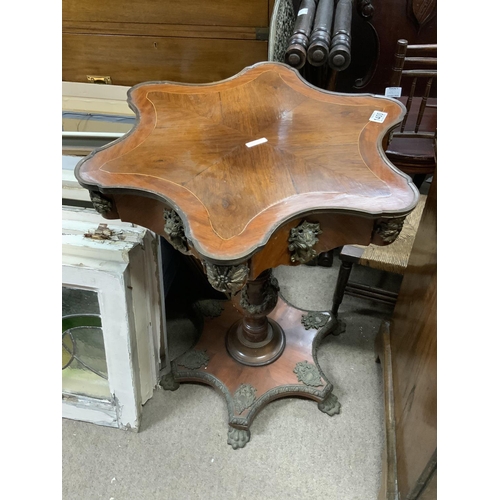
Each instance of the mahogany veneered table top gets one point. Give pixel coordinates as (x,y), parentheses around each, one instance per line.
(240,158)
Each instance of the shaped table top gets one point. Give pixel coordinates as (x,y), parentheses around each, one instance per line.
(238,158)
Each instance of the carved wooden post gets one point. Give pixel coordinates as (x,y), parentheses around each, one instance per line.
(340,49)
(256,340)
(317,53)
(399,60)
(296,53)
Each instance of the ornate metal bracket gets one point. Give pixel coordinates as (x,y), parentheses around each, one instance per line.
(301,241)
(314,320)
(389,229)
(227,279)
(101,205)
(174,229)
(307,374)
(244,397)
(269,302)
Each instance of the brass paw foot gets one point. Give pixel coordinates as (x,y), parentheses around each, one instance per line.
(169,383)
(330,405)
(237,438)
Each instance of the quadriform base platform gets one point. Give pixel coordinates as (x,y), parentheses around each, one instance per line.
(247,174)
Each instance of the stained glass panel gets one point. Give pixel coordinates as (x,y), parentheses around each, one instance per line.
(84,369)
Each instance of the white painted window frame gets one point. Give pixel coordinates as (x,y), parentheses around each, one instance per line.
(125,276)
(110,281)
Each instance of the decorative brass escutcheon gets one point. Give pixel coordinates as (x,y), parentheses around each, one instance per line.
(101,80)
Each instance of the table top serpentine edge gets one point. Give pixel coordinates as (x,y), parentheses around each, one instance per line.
(399,198)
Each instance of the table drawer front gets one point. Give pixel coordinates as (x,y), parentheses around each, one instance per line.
(201,12)
(129,60)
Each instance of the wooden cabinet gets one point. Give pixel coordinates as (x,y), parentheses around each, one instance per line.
(408,347)
(191,41)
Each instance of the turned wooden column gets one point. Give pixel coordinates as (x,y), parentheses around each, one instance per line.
(256,340)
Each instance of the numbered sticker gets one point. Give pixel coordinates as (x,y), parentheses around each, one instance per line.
(393,91)
(378,116)
(302,12)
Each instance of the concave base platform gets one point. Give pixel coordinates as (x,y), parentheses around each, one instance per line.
(248,389)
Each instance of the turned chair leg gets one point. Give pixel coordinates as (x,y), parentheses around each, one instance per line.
(342,279)
(418,180)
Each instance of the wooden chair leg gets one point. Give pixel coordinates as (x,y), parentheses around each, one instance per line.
(325,259)
(418,180)
(342,279)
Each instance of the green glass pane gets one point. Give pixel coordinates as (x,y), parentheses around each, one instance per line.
(84,369)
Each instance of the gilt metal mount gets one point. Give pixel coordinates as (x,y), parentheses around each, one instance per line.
(314,320)
(174,229)
(389,229)
(227,279)
(302,240)
(244,397)
(269,301)
(101,205)
(308,374)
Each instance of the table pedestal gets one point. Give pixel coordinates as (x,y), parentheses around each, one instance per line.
(248,389)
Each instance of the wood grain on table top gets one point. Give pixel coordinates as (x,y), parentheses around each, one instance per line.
(189,150)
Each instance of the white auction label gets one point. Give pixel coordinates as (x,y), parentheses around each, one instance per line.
(302,12)
(256,142)
(393,92)
(378,116)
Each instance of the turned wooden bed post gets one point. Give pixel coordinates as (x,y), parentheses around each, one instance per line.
(340,49)
(319,47)
(296,53)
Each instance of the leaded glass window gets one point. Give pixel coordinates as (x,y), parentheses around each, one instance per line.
(84,369)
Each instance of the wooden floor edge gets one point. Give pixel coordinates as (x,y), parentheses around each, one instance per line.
(389,484)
